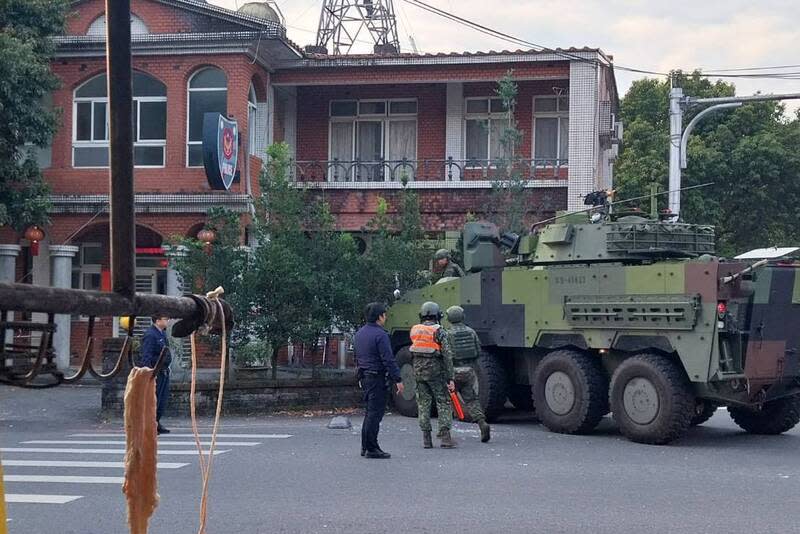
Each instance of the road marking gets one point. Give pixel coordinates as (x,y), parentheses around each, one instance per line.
(68,463)
(33,498)
(66,479)
(160,443)
(223,436)
(98,451)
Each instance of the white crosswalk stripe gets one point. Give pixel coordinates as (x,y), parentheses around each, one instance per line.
(45,463)
(33,498)
(67,463)
(99,451)
(203,435)
(160,443)
(66,479)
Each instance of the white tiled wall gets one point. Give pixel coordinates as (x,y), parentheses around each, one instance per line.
(583,134)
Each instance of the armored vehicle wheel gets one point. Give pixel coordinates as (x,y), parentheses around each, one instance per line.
(774,417)
(492,385)
(651,399)
(406,403)
(570,392)
(703,410)
(521,397)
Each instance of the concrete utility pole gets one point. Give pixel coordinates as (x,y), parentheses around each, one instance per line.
(679,138)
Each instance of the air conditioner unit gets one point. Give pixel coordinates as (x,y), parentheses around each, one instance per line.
(616,137)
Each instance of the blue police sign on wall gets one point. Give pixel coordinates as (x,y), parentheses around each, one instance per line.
(220,150)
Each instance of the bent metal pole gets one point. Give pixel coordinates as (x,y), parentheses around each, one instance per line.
(31,298)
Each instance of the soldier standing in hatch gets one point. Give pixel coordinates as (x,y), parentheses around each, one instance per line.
(433,371)
(444,264)
(466,348)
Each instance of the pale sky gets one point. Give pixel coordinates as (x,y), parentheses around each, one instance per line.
(653,35)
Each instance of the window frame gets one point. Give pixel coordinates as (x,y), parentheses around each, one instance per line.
(86,268)
(384,119)
(252,118)
(105,143)
(557,114)
(189,90)
(487,117)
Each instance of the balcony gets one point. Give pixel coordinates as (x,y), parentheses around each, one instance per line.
(449,169)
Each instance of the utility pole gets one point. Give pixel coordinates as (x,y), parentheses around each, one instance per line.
(679,138)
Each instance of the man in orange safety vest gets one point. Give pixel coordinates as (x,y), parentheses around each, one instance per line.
(433,371)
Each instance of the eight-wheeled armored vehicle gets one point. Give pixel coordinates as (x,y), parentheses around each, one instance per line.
(597,312)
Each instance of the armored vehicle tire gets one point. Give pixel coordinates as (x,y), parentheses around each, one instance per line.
(651,399)
(703,410)
(405,403)
(774,417)
(521,397)
(570,392)
(492,385)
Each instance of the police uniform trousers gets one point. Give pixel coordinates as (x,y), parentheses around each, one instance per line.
(466,379)
(162,392)
(373,385)
(432,387)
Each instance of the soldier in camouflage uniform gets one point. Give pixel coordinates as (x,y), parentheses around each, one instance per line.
(442,262)
(466,348)
(433,371)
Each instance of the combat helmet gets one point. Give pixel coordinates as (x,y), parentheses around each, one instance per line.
(441,254)
(430,309)
(455,314)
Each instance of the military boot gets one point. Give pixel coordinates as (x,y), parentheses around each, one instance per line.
(447,440)
(486,430)
(427,441)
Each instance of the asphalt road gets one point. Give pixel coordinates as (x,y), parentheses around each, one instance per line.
(293,475)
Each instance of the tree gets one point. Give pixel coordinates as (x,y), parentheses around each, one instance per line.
(26,28)
(301,280)
(509,201)
(398,253)
(222,264)
(749,153)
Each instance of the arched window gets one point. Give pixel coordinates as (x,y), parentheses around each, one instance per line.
(208,93)
(252,114)
(98,27)
(90,122)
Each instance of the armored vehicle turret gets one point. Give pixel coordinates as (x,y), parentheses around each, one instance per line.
(596,312)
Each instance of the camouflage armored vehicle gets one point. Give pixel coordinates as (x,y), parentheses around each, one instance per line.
(596,313)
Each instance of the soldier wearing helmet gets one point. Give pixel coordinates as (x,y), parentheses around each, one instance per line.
(466,348)
(433,371)
(443,263)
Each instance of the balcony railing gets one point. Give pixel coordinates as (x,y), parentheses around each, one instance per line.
(425,169)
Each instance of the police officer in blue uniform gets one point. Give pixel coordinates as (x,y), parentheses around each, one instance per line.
(375,360)
(153,342)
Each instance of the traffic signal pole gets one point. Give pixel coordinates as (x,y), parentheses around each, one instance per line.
(679,137)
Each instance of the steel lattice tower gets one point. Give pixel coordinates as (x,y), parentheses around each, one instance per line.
(342,22)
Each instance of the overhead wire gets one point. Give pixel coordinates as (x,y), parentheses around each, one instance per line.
(715,73)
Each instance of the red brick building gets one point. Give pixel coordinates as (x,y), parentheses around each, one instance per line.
(357,126)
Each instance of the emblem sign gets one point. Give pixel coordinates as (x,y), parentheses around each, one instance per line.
(220,150)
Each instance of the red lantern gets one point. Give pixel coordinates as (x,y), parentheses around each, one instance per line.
(206,236)
(34,234)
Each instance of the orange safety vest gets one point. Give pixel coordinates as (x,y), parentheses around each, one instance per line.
(423,339)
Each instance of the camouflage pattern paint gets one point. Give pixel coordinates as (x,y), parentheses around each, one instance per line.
(664,304)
